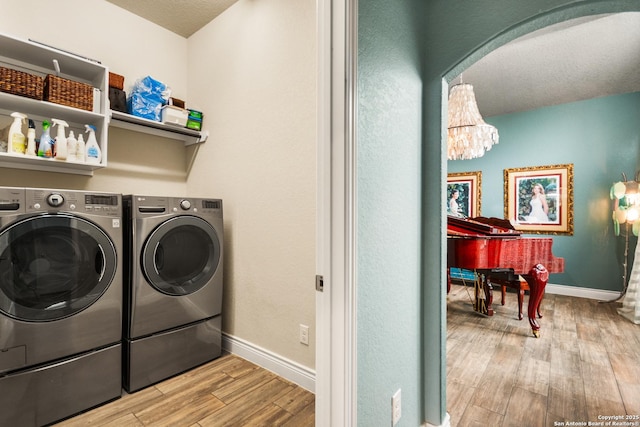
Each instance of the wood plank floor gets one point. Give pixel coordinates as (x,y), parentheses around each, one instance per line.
(228,391)
(586,364)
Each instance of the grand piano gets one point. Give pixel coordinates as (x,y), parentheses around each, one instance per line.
(494,249)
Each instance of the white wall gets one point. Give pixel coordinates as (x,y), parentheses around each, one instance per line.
(253,70)
(130,46)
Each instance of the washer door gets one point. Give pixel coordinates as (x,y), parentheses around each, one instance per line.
(53,266)
(181,255)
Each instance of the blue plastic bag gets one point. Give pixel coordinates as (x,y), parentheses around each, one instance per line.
(147,98)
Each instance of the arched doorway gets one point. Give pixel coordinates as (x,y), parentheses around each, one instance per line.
(512,33)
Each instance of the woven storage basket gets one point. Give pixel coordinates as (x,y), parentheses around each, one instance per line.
(20,83)
(67,92)
(116,80)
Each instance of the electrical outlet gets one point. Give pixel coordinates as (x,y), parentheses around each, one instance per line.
(396,408)
(304,334)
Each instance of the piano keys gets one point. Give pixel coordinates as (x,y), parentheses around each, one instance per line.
(491,246)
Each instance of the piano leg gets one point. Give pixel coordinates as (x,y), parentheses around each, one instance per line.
(483,294)
(537,279)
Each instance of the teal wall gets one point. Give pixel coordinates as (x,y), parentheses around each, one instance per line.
(601,137)
(404,47)
(388,229)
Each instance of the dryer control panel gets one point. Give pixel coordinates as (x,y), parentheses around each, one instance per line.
(196,205)
(147,206)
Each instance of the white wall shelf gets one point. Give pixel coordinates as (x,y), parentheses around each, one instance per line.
(35,58)
(42,110)
(20,161)
(38,59)
(139,124)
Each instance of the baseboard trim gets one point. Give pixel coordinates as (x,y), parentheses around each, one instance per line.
(575,291)
(445,423)
(292,371)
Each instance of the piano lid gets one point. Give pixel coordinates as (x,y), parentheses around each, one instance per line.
(480,226)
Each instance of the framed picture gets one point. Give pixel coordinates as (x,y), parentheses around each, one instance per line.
(539,199)
(463,194)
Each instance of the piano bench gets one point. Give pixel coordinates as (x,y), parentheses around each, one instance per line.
(519,284)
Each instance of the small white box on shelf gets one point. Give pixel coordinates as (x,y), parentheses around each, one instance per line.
(172,115)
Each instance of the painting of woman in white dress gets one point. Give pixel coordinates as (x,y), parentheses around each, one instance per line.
(538,199)
(539,206)
(463,194)
(454,208)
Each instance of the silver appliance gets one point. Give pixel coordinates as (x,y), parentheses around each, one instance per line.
(60,303)
(173,286)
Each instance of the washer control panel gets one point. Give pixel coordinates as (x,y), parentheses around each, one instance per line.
(51,201)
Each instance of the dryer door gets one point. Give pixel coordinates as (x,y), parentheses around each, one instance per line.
(53,266)
(181,255)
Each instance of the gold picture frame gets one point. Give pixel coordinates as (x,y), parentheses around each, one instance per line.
(469,187)
(539,199)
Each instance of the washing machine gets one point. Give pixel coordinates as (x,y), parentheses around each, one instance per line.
(173,286)
(60,303)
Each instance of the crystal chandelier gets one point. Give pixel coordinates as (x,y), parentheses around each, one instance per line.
(468,134)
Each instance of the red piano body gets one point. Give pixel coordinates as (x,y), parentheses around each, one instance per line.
(492,248)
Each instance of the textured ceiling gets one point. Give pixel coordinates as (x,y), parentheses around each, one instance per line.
(571,61)
(181,17)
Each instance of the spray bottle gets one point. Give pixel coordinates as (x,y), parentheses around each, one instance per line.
(81,152)
(94,154)
(72,148)
(45,149)
(16,141)
(31,139)
(60,147)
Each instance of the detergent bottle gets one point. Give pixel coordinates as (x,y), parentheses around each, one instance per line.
(31,139)
(81,149)
(16,142)
(45,149)
(72,148)
(60,147)
(94,154)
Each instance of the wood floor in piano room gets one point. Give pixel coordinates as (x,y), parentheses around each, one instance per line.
(585,366)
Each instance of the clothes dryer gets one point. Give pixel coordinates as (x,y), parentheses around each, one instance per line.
(173,291)
(60,303)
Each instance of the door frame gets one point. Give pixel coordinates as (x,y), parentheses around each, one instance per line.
(336,343)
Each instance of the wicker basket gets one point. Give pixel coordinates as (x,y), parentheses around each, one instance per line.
(67,92)
(116,80)
(20,83)
(176,102)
